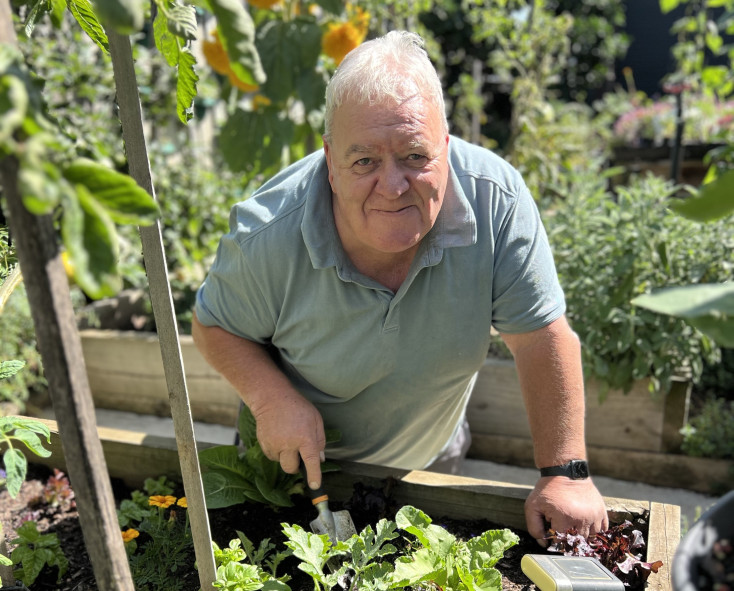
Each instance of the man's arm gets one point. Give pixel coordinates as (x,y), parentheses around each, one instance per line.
(548,364)
(288,425)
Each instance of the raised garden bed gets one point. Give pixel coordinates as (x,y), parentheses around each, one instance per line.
(629,436)
(131,457)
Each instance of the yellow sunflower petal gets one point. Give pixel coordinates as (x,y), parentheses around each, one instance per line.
(339,40)
(265,4)
(215,54)
(243,86)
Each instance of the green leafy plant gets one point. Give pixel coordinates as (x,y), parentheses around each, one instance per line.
(87,197)
(157,536)
(710,433)
(232,476)
(242,566)
(19,343)
(432,557)
(13,432)
(34,551)
(612,247)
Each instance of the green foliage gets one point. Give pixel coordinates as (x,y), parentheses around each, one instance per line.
(701,34)
(259,572)
(610,248)
(13,432)
(529,48)
(91,196)
(710,434)
(19,343)
(162,551)
(34,551)
(187,194)
(231,476)
(430,556)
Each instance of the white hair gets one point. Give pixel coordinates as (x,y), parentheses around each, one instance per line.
(393,67)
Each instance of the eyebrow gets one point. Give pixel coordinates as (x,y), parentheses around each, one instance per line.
(367,149)
(357,149)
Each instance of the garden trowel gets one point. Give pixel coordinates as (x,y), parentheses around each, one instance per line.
(338,525)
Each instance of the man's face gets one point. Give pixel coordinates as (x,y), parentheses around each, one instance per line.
(388,171)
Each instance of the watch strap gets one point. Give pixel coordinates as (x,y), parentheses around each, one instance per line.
(575,469)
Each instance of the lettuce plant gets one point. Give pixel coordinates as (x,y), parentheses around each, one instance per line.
(232,476)
(619,549)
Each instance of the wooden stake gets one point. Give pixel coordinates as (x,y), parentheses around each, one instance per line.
(165,318)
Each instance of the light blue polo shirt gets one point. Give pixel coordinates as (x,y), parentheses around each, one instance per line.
(391,371)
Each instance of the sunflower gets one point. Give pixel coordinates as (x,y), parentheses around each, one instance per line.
(341,38)
(216,56)
(161,501)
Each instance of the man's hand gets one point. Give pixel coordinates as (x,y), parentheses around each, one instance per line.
(290,428)
(288,425)
(562,503)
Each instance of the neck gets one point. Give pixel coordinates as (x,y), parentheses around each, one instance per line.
(389,270)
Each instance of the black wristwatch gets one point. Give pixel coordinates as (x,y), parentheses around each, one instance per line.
(575,469)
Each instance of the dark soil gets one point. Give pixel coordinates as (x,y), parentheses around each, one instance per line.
(257,522)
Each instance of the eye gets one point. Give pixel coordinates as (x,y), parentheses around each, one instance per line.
(363,162)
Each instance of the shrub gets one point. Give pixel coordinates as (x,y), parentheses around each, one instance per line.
(610,248)
(710,434)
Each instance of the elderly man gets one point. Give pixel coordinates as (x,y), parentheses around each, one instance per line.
(357,288)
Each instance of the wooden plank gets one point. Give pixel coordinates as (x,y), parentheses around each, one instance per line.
(632,421)
(662,541)
(704,475)
(135,456)
(125,370)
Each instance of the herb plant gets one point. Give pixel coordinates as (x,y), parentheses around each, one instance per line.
(618,548)
(611,247)
(34,551)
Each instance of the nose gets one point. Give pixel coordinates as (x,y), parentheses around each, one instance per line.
(393,180)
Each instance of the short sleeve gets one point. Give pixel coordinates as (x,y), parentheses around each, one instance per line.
(231,298)
(526,294)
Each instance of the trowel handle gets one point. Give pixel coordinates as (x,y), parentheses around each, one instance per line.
(317,495)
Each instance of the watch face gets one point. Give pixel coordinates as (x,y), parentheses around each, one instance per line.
(579,470)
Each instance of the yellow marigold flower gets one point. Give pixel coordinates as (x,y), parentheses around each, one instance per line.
(161,500)
(260,100)
(129,534)
(182,502)
(339,40)
(264,3)
(215,54)
(243,86)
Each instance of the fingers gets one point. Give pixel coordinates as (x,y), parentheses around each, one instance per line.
(312,462)
(289,461)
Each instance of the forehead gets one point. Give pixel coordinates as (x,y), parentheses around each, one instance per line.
(414,121)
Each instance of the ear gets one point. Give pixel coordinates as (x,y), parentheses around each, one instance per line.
(328,153)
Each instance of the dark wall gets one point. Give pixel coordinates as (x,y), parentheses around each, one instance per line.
(650,44)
